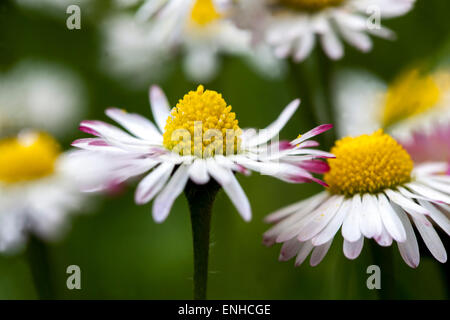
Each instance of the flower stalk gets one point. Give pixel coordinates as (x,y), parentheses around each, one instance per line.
(201,199)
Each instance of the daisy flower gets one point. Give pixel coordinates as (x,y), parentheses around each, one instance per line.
(37,189)
(198,140)
(414,102)
(375,192)
(203,30)
(292,27)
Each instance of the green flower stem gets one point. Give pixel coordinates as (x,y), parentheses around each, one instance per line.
(201,199)
(38,258)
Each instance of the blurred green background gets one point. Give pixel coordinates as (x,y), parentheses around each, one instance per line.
(123,254)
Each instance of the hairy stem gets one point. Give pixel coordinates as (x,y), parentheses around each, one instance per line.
(201,199)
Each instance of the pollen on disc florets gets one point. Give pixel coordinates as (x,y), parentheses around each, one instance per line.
(310,5)
(410,94)
(368,164)
(202,124)
(28,157)
(204,12)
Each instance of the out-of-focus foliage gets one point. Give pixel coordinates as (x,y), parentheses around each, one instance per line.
(124,254)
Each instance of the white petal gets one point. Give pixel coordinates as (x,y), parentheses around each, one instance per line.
(198,172)
(439,217)
(303,253)
(429,193)
(295,224)
(432,240)
(274,128)
(321,219)
(332,45)
(153,183)
(236,194)
(442,187)
(428,168)
(289,249)
(384,239)
(332,228)
(390,219)
(357,39)
(409,250)
(165,199)
(319,253)
(404,202)
(370,222)
(136,124)
(160,106)
(350,228)
(353,249)
(309,202)
(305,47)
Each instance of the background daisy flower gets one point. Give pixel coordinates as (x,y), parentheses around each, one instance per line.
(415,101)
(375,192)
(40,95)
(292,27)
(38,189)
(202,30)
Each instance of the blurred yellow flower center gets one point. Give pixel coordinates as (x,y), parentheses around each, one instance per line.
(411,94)
(204,12)
(202,124)
(368,164)
(28,157)
(311,5)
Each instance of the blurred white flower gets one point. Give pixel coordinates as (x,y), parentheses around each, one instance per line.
(292,27)
(129,54)
(39,189)
(42,96)
(203,30)
(415,101)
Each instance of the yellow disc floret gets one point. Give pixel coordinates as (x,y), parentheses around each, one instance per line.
(310,5)
(28,157)
(368,164)
(202,124)
(411,94)
(204,12)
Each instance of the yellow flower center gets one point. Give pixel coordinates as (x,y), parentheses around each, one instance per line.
(202,124)
(368,164)
(27,157)
(310,5)
(204,12)
(411,94)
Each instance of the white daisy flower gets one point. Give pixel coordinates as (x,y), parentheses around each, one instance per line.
(291,26)
(37,189)
(375,192)
(128,54)
(40,95)
(203,31)
(198,140)
(415,102)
